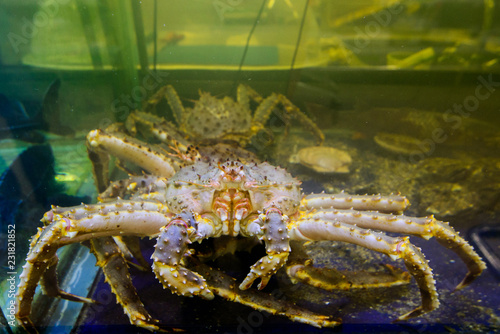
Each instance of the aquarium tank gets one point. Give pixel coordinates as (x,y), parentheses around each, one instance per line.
(248,166)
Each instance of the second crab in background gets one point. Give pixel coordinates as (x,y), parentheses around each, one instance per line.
(213,119)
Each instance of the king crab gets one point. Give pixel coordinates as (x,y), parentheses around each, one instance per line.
(182,204)
(211,119)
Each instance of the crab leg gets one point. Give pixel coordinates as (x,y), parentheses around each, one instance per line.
(244,93)
(266,106)
(144,187)
(71,225)
(175,103)
(131,249)
(425,227)
(300,268)
(115,270)
(173,100)
(317,229)
(391,203)
(273,224)
(158,126)
(333,279)
(225,286)
(50,285)
(263,113)
(171,246)
(100,168)
(40,256)
(125,148)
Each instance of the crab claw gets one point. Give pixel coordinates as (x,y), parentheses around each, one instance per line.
(171,246)
(182,281)
(264,269)
(277,248)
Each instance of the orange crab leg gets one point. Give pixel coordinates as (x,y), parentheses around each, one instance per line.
(417,265)
(39,258)
(71,225)
(425,227)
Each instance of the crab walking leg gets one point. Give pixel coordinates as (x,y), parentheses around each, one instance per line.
(244,93)
(391,203)
(268,104)
(171,246)
(84,215)
(173,100)
(114,268)
(301,269)
(316,229)
(175,104)
(425,227)
(50,284)
(40,256)
(116,273)
(131,249)
(332,279)
(130,149)
(302,118)
(151,103)
(273,224)
(225,286)
(71,225)
(155,125)
(100,168)
(145,187)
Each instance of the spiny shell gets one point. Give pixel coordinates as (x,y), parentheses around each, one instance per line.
(323,159)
